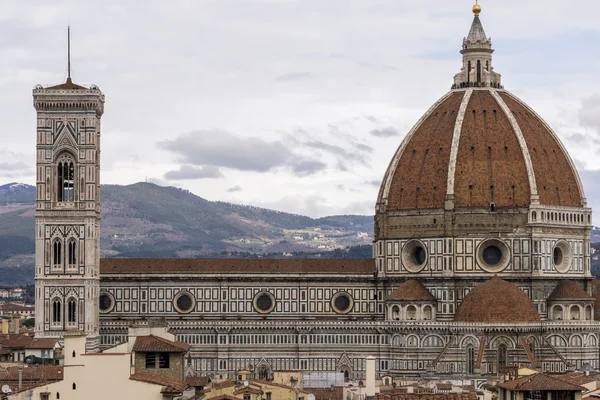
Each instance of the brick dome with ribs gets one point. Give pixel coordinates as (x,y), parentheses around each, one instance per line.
(480,144)
(499,301)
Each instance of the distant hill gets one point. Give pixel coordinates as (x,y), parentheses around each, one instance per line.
(17,193)
(146,220)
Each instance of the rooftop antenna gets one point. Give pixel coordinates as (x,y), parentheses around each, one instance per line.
(69,54)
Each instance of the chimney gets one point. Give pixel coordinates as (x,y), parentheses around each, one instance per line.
(20,378)
(370,384)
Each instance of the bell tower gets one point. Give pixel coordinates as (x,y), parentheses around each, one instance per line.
(67,229)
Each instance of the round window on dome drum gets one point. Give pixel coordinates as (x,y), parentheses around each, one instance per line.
(342,302)
(562,256)
(264,302)
(493,255)
(107,302)
(414,255)
(184,302)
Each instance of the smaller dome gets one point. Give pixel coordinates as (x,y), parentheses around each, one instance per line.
(568,290)
(411,290)
(496,300)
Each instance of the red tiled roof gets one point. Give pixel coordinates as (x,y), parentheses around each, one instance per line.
(426,396)
(539,381)
(169,383)
(330,393)
(236,265)
(577,378)
(16,307)
(68,85)
(569,290)
(15,340)
(156,343)
(33,373)
(197,380)
(41,344)
(596,293)
(411,290)
(496,300)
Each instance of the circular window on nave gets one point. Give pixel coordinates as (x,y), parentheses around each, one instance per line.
(107,302)
(562,256)
(493,255)
(264,302)
(342,303)
(414,256)
(184,302)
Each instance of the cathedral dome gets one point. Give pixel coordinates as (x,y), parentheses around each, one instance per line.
(496,300)
(479,146)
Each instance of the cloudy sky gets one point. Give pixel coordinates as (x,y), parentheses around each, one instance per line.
(296,105)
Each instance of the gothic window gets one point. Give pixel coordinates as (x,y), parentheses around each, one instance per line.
(470,360)
(56,312)
(72,253)
(478,71)
(71,312)
(66,180)
(57,253)
(502,357)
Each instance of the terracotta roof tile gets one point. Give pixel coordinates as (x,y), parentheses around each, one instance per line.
(539,381)
(68,85)
(15,340)
(148,377)
(156,343)
(33,373)
(569,290)
(41,344)
(330,393)
(411,290)
(496,300)
(577,378)
(596,293)
(197,380)
(237,265)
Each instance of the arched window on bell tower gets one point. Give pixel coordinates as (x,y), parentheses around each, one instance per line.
(71,312)
(57,254)
(65,172)
(72,253)
(56,312)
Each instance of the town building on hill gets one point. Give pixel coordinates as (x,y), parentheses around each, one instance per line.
(481,258)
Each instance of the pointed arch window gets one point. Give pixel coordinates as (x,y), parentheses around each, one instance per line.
(66,179)
(478,71)
(57,254)
(56,312)
(470,360)
(72,312)
(72,253)
(502,357)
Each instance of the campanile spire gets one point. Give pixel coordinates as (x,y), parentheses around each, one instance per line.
(477,69)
